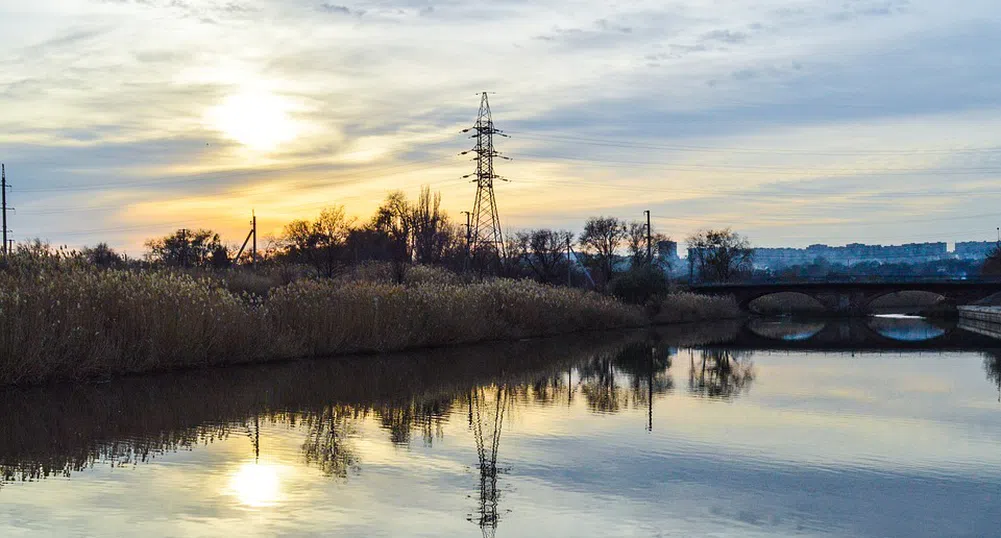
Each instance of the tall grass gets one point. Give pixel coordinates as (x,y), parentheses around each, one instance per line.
(63,319)
(80,324)
(323,317)
(84,324)
(684,307)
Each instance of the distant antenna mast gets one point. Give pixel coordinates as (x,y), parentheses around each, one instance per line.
(486,227)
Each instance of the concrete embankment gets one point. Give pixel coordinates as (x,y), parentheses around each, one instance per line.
(984,320)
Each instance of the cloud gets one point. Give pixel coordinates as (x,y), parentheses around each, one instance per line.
(333,8)
(725,36)
(104,92)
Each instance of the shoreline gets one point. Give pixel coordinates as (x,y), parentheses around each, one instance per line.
(86,326)
(444,349)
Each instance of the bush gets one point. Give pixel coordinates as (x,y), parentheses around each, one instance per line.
(639,285)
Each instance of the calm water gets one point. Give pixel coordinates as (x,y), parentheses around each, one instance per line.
(884,428)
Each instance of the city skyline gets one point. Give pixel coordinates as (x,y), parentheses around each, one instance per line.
(791,122)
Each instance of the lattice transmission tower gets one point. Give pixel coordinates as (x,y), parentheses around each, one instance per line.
(486,227)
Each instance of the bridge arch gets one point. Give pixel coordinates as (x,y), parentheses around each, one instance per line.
(784,302)
(908,301)
(853,297)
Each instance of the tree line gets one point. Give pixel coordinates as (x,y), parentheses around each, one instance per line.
(608,254)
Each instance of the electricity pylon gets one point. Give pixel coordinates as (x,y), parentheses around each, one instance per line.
(486,227)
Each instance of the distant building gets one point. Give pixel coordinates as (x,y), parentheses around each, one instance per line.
(855,253)
(667,252)
(971,250)
(668,249)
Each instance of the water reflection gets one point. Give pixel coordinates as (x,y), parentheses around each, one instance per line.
(486,420)
(786,329)
(628,379)
(328,433)
(256,485)
(720,373)
(462,405)
(908,328)
(992,365)
(878,333)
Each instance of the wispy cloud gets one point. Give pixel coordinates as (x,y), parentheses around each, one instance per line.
(126,93)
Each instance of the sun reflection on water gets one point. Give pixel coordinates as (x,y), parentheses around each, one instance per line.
(256,485)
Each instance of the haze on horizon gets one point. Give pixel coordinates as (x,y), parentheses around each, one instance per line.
(793,122)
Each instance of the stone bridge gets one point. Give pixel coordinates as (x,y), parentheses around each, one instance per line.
(854,297)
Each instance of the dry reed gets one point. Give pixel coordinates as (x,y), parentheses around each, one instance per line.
(85,324)
(67,322)
(684,307)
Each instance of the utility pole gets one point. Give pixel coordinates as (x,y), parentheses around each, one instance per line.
(251,235)
(184,247)
(649,249)
(469,230)
(486,220)
(3,190)
(569,264)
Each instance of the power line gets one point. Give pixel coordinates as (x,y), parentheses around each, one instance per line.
(759,150)
(762,170)
(790,190)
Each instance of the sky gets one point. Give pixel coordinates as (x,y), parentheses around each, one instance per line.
(793,122)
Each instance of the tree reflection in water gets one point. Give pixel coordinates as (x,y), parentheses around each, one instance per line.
(992,366)
(641,366)
(326,446)
(721,373)
(46,431)
(426,415)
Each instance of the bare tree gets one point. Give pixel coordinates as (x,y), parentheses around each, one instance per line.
(601,239)
(719,255)
(544,252)
(636,245)
(433,234)
(992,265)
(393,219)
(320,242)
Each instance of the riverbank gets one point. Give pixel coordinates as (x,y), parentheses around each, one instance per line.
(79,325)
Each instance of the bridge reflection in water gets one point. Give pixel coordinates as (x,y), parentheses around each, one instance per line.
(877,333)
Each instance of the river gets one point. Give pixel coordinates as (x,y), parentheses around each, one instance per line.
(884,427)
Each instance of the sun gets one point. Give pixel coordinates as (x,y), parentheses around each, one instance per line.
(257,120)
(256,485)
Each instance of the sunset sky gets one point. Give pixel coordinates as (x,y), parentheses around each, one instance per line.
(794,122)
